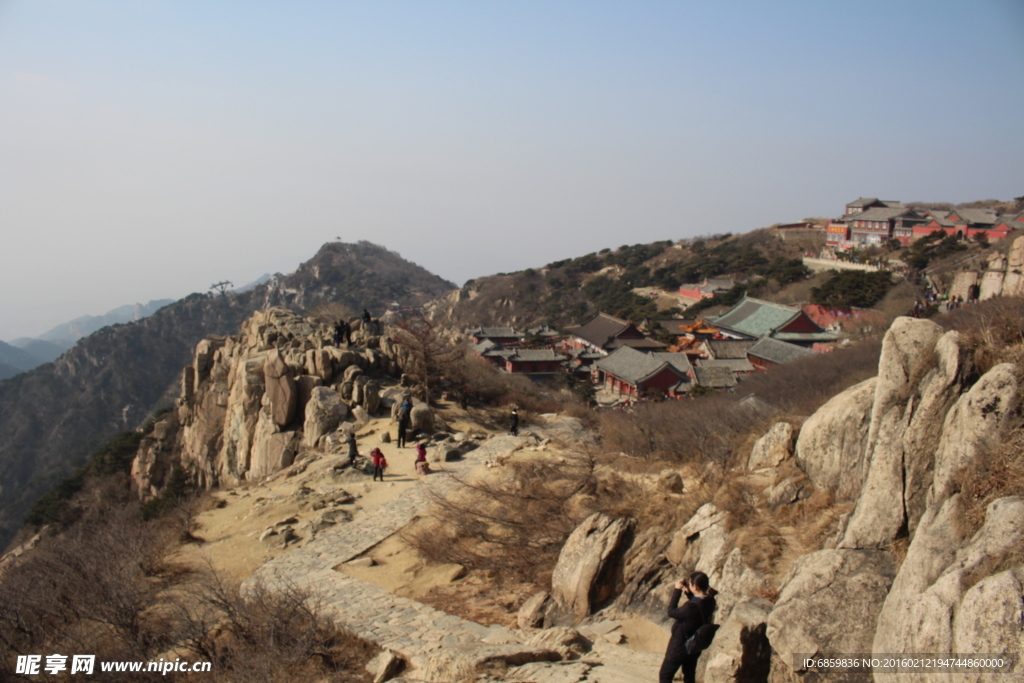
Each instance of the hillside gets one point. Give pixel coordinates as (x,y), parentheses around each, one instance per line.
(571,291)
(871,504)
(54,415)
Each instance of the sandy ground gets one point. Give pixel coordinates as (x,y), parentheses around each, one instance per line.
(232,525)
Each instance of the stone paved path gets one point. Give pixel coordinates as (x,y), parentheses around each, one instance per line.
(400,624)
(408,627)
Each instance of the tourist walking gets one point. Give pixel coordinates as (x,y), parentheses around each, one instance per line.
(695,612)
(513,427)
(379,463)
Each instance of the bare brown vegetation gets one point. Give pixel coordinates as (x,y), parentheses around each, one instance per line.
(992,475)
(104,586)
(515,523)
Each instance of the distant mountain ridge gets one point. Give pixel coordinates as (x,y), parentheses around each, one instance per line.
(53,417)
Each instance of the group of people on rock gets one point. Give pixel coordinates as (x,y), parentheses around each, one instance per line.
(343,330)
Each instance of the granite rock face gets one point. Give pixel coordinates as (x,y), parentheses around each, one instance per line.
(589,565)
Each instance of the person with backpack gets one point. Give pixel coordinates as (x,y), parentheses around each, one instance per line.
(692,629)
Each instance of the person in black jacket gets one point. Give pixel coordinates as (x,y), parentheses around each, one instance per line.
(695,612)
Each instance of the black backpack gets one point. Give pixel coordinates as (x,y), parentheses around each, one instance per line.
(701,638)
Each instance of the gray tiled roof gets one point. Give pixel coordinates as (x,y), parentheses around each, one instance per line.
(728,348)
(776,351)
(978,216)
(862,201)
(634,367)
(733,364)
(879,214)
(535,355)
(715,378)
(601,330)
(500,332)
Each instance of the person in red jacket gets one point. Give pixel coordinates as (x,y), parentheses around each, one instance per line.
(695,612)
(379,463)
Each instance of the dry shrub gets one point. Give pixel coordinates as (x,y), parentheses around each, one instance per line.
(993,474)
(515,522)
(266,636)
(992,329)
(803,386)
(104,586)
(330,312)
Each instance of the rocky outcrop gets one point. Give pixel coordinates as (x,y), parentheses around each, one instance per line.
(588,571)
(251,402)
(943,595)
(324,413)
(921,372)
(701,542)
(281,389)
(740,651)
(832,444)
(976,422)
(465,662)
(774,447)
(804,620)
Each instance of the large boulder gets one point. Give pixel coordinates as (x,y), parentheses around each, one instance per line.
(805,621)
(247,382)
(531,614)
(272,449)
(324,413)
(589,566)
(920,374)
(974,425)
(701,542)
(945,592)
(281,390)
(421,418)
(371,397)
(1015,258)
(568,642)
(775,446)
(832,442)
(740,651)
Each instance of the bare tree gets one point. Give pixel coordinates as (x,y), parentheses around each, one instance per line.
(427,353)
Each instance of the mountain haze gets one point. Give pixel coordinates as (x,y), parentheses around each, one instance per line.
(52,417)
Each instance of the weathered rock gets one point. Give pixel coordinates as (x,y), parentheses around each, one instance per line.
(281,389)
(462,662)
(740,650)
(568,642)
(701,542)
(531,614)
(385,437)
(306,384)
(1016,255)
(974,425)
(804,619)
(740,581)
(991,619)
(589,566)
(925,609)
(1013,284)
(832,442)
(670,481)
(351,372)
(991,284)
(246,380)
(272,449)
(921,371)
(360,416)
(421,418)
(385,666)
(775,446)
(323,414)
(371,397)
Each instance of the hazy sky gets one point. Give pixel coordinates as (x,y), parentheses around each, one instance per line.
(150,148)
